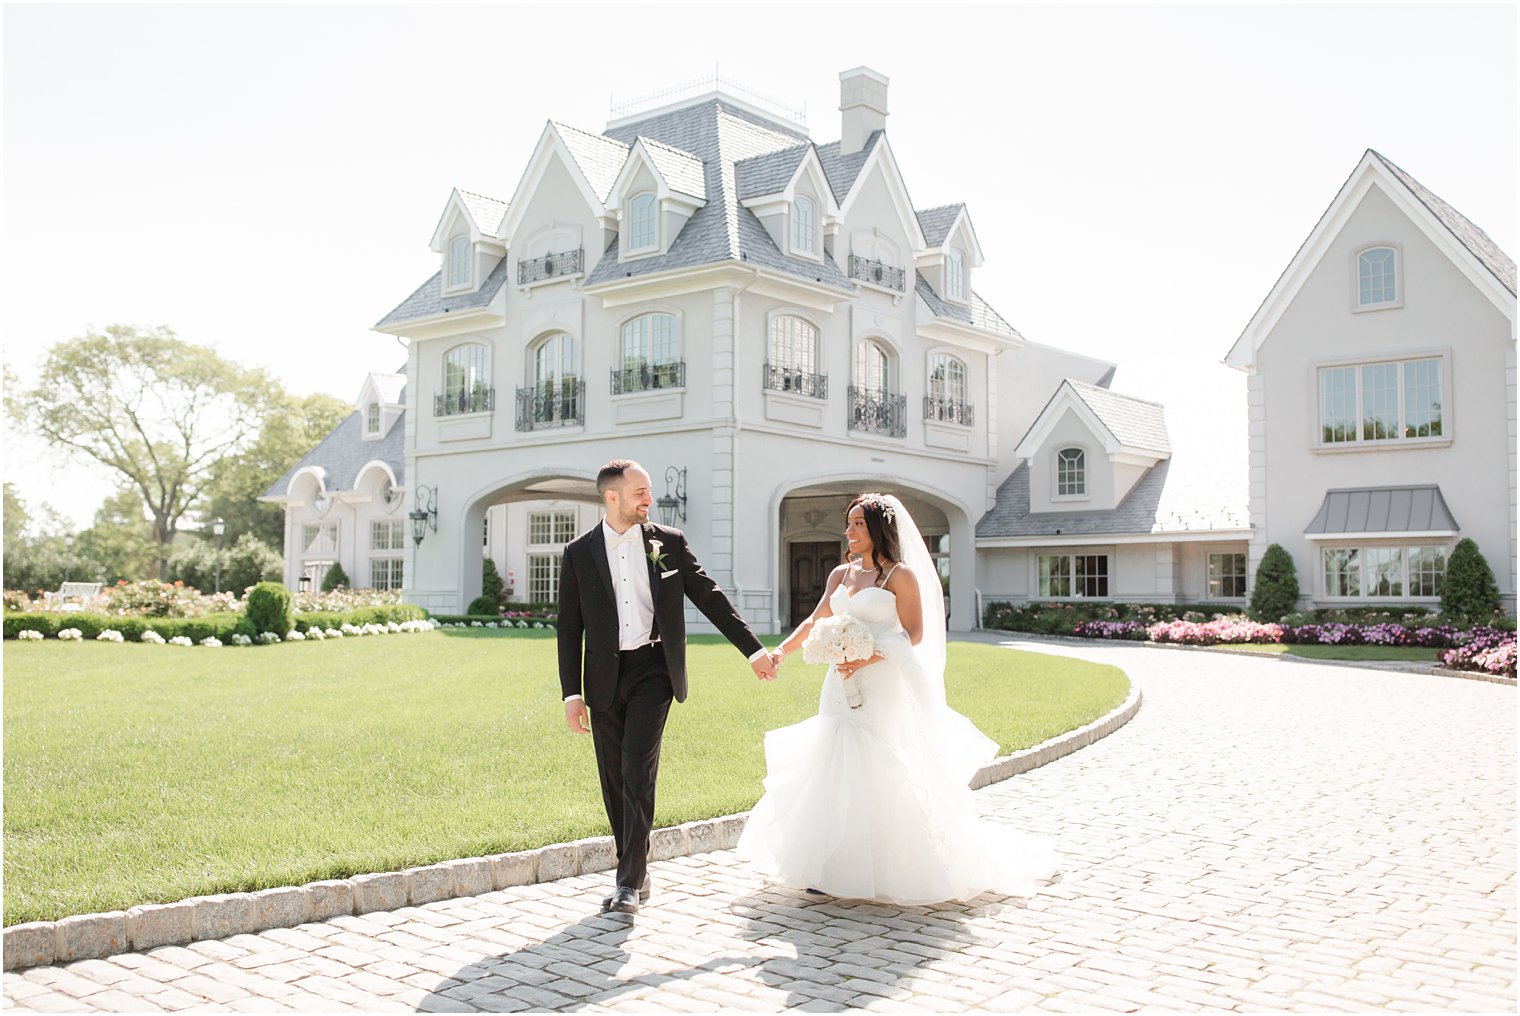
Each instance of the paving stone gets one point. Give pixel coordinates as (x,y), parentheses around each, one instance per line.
(384,891)
(223,915)
(29,945)
(598,853)
(428,884)
(559,861)
(328,899)
(89,936)
(470,877)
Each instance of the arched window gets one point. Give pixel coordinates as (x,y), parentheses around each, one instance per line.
(955,275)
(557,391)
(1377,276)
(642,233)
(804,224)
(459,261)
(466,381)
(873,367)
(794,344)
(1071,472)
(947,390)
(651,355)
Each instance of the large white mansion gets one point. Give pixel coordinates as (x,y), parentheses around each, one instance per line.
(770,327)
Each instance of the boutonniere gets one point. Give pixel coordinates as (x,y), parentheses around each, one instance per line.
(655,557)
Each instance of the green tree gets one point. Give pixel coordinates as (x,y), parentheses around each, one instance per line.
(336,578)
(295,425)
(1276,590)
(159,411)
(39,551)
(491,586)
(1468,589)
(119,543)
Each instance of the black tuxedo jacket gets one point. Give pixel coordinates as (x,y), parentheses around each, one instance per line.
(588,617)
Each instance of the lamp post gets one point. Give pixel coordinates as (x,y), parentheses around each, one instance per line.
(68,561)
(218,527)
(673,505)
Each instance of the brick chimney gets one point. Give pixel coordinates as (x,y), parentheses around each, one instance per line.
(863,101)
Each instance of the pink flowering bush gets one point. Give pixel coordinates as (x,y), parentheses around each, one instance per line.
(1235,629)
(150,598)
(342,601)
(1488,650)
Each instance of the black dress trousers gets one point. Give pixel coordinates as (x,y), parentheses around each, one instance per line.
(627,737)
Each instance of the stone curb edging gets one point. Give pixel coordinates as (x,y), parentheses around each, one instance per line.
(1474,675)
(92,936)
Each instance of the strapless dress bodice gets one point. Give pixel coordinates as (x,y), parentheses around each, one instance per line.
(875,606)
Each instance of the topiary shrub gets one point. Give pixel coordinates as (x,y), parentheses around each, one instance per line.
(268,608)
(484,606)
(491,588)
(1469,589)
(1276,591)
(335,578)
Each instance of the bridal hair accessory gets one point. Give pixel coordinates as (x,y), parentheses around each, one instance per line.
(881,504)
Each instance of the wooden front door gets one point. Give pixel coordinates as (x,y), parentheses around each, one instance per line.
(811,564)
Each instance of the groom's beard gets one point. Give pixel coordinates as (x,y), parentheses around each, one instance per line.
(632,517)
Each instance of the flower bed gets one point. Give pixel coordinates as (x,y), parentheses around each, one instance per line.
(1487,649)
(215,630)
(520,619)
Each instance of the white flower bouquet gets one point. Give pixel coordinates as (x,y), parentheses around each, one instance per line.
(836,640)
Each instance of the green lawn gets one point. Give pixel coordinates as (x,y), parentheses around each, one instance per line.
(1315,652)
(138,774)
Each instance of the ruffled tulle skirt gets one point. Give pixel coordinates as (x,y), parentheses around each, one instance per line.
(873,803)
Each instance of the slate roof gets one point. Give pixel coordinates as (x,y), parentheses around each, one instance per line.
(390,387)
(1419,509)
(841,170)
(426,301)
(767,174)
(1474,239)
(1137,423)
(936,222)
(344,452)
(1159,503)
(486,211)
(600,158)
(720,135)
(980,314)
(681,170)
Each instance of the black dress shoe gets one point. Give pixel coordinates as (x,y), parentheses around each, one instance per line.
(644,890)
(624,901)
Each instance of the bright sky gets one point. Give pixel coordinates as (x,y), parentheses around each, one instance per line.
(265,179)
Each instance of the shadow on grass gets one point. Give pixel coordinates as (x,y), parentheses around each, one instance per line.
(784,939)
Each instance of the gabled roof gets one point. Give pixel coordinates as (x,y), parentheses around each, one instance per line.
(390,388)
(720,135)
(342,453)
(1470,249)
(937,222)
(682,171)
(843,170)
(599,157)
(979,315)
(769,173)
(1159,503)
(427,301)
(1135,422)
(486,211)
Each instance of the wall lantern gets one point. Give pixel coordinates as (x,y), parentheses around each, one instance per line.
(673,505)
(425,515)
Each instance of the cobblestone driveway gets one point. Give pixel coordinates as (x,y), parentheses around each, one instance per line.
(1263,835)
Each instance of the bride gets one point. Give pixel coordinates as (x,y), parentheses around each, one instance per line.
(872,802)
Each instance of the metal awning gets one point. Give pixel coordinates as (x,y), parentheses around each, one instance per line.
(1383,513)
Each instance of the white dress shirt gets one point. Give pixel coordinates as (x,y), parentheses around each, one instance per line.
(630,587)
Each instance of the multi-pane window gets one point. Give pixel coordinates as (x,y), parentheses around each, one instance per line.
(872,367)
(650,354)
(642,231)
(543,578)
(1384,572)
(947,378)
(372,417)
(387,534)
(459,261)
(1074,575)
(1376,277)
(385,573)
(464,379)
(555,360)
(804,224)
(955,275)
(1391,401)
(794,344)
(319,538)
(1071,472)
(557,527)
(1227,575)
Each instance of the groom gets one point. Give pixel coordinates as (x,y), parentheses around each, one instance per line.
(620,591)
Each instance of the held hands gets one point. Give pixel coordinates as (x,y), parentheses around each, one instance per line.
(764,667)
(575,716)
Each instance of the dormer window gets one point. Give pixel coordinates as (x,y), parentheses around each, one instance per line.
(459,261)
(804,225)
(1071,472)
(1377,277)
(372,417)
(955,275)
(642,231)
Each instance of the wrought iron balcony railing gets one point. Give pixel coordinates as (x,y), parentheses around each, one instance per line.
(565,262)
(553,404)
(784,379)
(465,400)
(948,410)
(878,412)
(877,273)
(647,375)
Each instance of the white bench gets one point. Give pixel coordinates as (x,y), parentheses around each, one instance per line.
(87,593)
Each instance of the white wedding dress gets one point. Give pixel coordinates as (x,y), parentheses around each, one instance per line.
(873,803)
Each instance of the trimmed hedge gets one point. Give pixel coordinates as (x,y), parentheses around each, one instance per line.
(221,626)
(397,612)
(1046,618)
